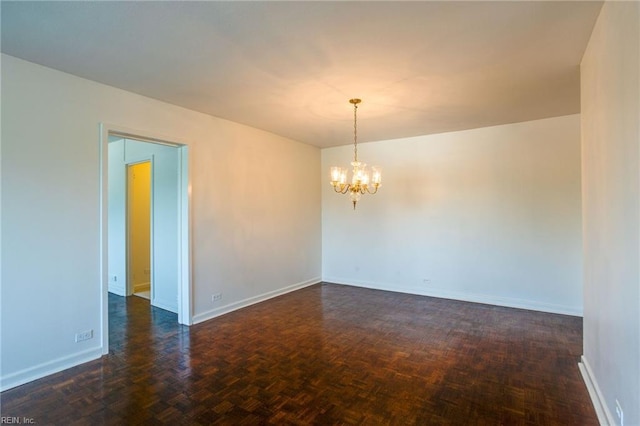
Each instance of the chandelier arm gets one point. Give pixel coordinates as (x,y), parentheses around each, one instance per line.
(374,191)
(343,189)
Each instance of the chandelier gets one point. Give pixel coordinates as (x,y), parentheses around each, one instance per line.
(362,181)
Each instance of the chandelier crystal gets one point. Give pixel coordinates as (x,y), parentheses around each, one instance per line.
(362,180)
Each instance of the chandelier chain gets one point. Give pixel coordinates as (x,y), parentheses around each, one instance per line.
(355,132)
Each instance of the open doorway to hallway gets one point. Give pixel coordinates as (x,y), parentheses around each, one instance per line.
(144,220)
(139,228)
(131,261)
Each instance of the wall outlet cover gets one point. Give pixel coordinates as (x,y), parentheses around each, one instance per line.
(84,335)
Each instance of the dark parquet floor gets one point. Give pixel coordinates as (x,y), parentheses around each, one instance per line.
(324,355)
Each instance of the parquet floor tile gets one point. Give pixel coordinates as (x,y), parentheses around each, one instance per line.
(323,355)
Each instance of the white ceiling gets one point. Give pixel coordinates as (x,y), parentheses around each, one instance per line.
(291,67)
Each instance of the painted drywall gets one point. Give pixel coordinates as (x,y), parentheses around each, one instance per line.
(255,212)
(117,219)
(488,215)
(165,169)
(610,102)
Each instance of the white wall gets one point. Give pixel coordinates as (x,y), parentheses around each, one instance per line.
(489,215)
(255,212)
(117,218)
(610,167)
(165,177)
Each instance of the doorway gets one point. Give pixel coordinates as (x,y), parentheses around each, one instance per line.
(169,270)
(139,229)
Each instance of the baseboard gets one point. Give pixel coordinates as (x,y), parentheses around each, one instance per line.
(141,287)
(39,371)
(117,290)
(167,306)
(251,301)
(599,404)
(466,297)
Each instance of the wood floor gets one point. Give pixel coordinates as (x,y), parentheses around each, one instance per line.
(324,355)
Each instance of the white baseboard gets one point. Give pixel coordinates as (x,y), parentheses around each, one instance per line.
(39,371)
(466,297)
(118,290)
(167,306)
(599,403)
(204,316)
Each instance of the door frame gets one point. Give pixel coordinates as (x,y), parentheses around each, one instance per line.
(185,298)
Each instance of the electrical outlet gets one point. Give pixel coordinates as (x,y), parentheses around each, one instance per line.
(426,281)
(215,297)
(620,413)
(84,335)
